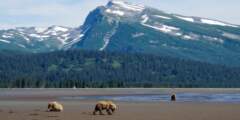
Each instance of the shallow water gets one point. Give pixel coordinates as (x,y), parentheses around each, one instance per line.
(181,97)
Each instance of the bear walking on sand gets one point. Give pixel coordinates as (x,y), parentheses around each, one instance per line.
(109,106)
(55,107)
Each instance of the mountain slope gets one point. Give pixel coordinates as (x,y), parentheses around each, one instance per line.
(125,27)
(121,26)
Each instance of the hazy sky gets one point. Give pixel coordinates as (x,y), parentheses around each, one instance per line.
(73,12)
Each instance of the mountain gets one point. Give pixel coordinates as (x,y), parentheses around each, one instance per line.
(125,27)
(37,39)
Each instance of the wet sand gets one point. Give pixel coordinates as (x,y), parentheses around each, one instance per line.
(31,104)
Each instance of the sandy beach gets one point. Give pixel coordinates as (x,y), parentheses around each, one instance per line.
(31,104)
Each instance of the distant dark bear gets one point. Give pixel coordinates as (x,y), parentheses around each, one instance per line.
(109,106)
(173,97)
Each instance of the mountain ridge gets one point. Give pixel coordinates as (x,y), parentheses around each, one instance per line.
(125,27)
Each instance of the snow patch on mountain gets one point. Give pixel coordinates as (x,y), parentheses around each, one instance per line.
(65,35)
(160,27)
(136,35)
(107,37)
(56,31)
(45,36)
(214,22)
(39,36)
(162,17)
(51,32)
(40,29)
(5,41)
(127,6)
(20,45)
(35,35)
(25,38)
(6,36)
(145,19)
(213,39)
(189,19)
(61,29)
(178,34)
(72,42)
(163,28)
(188,37)
(116,12)
(231,36)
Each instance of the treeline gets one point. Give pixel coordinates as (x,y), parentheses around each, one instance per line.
(81,69)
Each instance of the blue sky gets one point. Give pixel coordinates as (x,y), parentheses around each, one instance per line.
(16,13)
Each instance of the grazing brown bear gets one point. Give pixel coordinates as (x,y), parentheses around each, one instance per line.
(173,97)
(55,107)
(109,106)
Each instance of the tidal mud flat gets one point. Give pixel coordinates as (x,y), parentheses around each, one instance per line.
(31,104)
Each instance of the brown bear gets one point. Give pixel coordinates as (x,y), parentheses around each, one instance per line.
(55,107)
(109,106)
(173,97)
